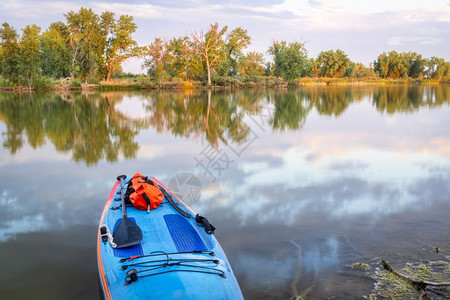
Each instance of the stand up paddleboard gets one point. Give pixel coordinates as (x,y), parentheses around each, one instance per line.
(166,253)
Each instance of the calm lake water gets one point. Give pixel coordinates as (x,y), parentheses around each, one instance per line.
(299,183)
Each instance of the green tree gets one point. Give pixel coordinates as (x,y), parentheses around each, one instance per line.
(416,64)
(268,68)
(381,65)
(447,70)
(85,38)
(9,49)
(107,22)
(275,51)
(120,45)
(236,41)
(29,54)
(359,70)
(210,46)
(331,64)
(252,64)
(156,58)
(437,68)
(290,60)
(55,49)
(180,57)
(313,71)
(391,65)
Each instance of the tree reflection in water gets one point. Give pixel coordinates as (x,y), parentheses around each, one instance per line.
(92,128)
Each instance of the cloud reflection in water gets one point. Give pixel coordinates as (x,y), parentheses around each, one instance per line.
(366,174)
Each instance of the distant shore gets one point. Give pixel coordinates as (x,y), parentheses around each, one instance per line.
(144,83)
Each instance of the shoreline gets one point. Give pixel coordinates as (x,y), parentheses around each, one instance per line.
(128,84)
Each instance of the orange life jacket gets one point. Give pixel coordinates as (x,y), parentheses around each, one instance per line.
(144,193)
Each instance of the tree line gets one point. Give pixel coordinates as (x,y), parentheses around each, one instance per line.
(90,47)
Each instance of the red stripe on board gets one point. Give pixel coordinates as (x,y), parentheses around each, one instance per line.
(99,254)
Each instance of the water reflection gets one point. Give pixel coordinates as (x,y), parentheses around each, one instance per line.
(336,175)
(99,126)
(88,126)
(214,116)
(407,99)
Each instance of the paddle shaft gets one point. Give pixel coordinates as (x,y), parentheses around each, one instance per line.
(127,233)
(122,197)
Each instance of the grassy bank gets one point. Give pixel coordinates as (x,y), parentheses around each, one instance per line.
(142,82)
(363,81)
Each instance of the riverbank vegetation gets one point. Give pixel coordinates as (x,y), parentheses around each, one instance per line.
(86,51)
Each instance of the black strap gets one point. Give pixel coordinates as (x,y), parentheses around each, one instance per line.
(146,180)
(174,204)
(148,201)
(130,190)
(202,221)
(146,198)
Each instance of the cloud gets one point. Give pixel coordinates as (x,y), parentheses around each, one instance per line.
(143,11)
(347,14)
(408,40)
(315,3)
(361,29)
(25,224)
(35,10)
(352,185)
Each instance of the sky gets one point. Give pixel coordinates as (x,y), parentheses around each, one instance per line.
(362,29)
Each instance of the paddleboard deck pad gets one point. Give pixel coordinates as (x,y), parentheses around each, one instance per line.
(176,258)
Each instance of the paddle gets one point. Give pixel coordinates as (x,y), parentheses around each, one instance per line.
(127,232)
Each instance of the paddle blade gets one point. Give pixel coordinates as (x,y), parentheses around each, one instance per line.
(127,233)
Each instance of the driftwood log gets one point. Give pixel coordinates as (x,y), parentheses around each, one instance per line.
(420,285)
